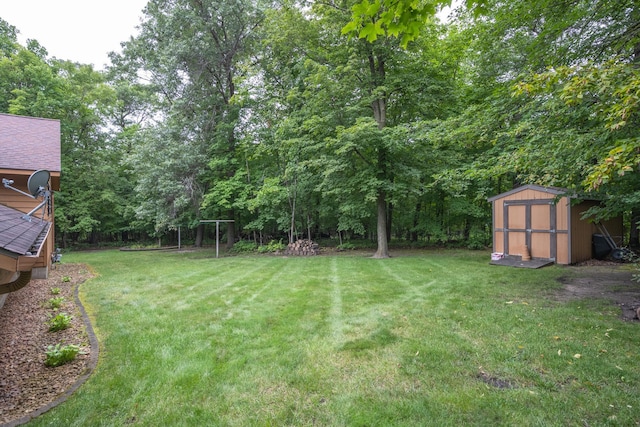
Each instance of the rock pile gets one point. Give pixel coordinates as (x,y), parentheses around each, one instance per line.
(302,247)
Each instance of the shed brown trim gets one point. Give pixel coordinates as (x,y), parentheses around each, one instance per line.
(556,191)
(528,230)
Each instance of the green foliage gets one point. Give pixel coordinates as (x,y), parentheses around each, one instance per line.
(58,355)
(169,174)
(272,246)
(266,115)
(394,18)
(59,322)
(55,303)
(244,246)
(66,279)
(479,242)
(615,86)
(8,39)
(346,246)
(188,164)
(55,291)
(636,276)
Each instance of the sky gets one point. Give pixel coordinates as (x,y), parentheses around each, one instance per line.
(82,31)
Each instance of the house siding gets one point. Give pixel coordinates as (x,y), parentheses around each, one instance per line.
(28,144)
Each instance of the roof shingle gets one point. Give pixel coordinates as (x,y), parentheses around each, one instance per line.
(19,235)
(29,143)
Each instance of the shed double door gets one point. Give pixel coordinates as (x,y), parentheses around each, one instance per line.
(530,223)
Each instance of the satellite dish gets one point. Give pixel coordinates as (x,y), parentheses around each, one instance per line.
(38,182)
(38,185)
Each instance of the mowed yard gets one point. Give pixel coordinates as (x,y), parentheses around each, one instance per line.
(432,338)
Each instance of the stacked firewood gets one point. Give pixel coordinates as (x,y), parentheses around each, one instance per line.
(302,247)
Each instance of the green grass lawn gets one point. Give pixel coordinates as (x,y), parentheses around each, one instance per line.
(429,338)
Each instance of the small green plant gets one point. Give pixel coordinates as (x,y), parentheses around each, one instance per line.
(58,354)
(66,279)
(55,291)
(631,257)
(636,276)
(59,322)
(55,302)
(273,246)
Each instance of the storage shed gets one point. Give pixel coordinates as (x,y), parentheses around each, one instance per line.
(542,222)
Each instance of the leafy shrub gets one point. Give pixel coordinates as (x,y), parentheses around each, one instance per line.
(418,244)
(59,355)
(273,246)
(346,246)
(66,279)
(59,322)
(244,246)
(55,291)
(55,303)
(476,243)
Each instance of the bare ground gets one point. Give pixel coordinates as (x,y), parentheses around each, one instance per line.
(28,387)
(602,280)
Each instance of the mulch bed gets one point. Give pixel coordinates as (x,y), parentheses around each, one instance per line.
(27,386)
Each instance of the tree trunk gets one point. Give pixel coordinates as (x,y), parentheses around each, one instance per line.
(634,234)
(389,220)
(231,233)
(383,245)
(199,235)
(467,230)
(416,219)
(293,220)
(379,107)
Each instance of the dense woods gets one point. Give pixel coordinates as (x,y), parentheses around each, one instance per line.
(308,120)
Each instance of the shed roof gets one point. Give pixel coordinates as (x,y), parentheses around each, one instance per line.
(29,143)
(19,236)
(555,191)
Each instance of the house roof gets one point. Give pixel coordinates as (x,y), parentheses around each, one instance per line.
(29,143)
(19,236)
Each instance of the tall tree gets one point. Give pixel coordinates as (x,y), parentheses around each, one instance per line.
(393,94)
(191,51)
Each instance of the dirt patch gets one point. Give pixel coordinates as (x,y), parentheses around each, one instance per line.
(604,280)
(26,384)
(496,382)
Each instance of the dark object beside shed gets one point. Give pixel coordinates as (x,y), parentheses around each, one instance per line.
(601,248)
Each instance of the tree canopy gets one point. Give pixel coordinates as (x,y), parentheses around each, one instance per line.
(345,119)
